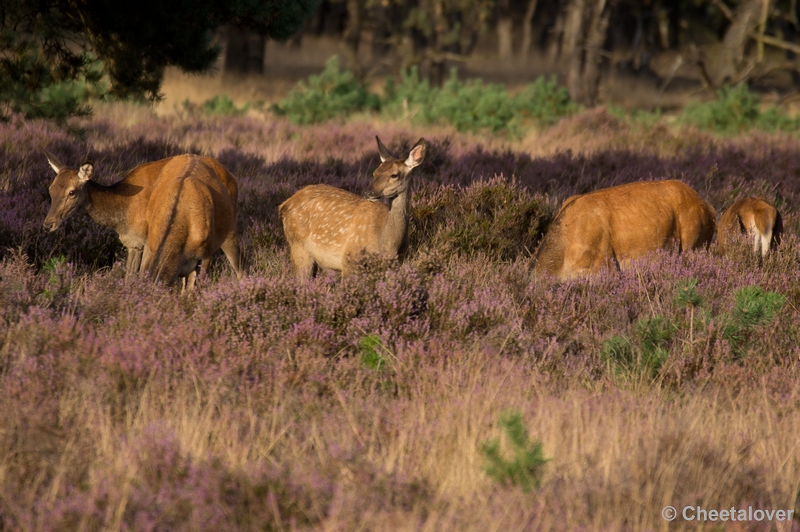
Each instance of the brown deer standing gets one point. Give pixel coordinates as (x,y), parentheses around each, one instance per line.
(753,217)
(191,214)
(121,206)
(329,227)
(617,224)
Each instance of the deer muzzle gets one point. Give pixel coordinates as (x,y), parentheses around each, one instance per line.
(51,224)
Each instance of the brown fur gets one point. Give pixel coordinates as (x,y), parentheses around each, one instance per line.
(620,223)
(329,227)
(191,214)
(755,218)
(121,206)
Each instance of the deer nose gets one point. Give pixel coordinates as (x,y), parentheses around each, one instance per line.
(372,196)
(50,226)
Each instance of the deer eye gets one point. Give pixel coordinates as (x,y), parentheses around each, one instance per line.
(394,176)
(71,192)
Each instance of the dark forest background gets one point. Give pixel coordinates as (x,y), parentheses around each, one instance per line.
(708,43)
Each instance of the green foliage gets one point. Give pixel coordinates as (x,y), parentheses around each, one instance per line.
(331,94)
(654,335)
(36,90)
(545,102)
(526,464)
(45,46)
(736,109)
(56,286)
(468,105)
(411,97)
(753,306)
(477,106)
(647,355)
(222,105)
(618,351)
(370,347)
(686,293)
(474,106)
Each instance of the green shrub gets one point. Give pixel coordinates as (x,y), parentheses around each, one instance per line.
(412,97)
(331,94)
(544,102)
(647,355)
(753,306)
(526,465)
(736,109)
(371,356)
(474,105)
(686,293)
(654,335)
(37,93)
(222,105)
(468,105)
(618,351)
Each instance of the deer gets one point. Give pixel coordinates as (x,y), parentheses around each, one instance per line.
(121,206)
(190,215)
(612,226)
(753,217)
(327,227)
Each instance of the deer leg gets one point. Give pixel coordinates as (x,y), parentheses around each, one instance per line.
(134,261)
(231,249)
(766,241)
(302,261)
(147,262)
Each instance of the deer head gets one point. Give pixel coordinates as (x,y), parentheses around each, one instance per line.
(391,177)
(67,192)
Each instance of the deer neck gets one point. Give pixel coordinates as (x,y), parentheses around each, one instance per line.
(394,230)
(108,205)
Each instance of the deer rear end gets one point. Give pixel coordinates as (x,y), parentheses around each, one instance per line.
(755,218)
(191,215)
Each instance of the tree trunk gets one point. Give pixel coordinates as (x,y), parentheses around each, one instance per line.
(674,24)
(505,29)
(352,36)
(527,31)
(572,47)
(729,61)
(595,39)
(744,22)
(244,52)
(555,47)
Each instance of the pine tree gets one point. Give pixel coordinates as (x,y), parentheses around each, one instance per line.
(45,44)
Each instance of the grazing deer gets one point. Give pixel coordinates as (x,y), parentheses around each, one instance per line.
(191,214)
(121,206)
(617,224)
(329,227)
(755,218)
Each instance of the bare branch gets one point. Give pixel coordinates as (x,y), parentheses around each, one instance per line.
(725,9)
(777,43)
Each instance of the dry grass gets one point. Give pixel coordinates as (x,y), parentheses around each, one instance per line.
(616,456)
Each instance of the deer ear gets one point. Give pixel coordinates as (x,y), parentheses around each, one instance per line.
(416,155)
(85,172)
(55,164)
(384,153)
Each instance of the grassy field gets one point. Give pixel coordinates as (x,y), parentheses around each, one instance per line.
(367,403)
